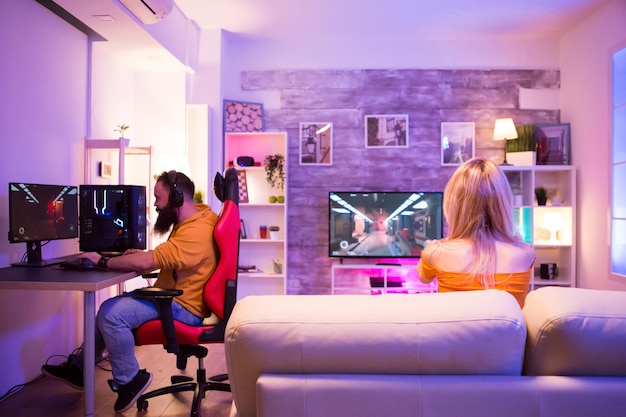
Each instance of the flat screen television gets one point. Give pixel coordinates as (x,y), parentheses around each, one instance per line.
(383,224)
(40,213)
(112,218)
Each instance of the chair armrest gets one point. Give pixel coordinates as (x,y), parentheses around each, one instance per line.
(155,292)
(163,298)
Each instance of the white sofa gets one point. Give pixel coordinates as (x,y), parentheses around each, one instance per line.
(447,354)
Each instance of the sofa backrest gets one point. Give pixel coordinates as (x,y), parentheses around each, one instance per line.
(462,333)
(574,331)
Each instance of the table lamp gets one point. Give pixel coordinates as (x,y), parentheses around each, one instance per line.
(553,221)
(504,129)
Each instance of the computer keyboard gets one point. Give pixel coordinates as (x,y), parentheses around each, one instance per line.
(79,264)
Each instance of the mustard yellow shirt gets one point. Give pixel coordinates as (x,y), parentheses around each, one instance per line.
(515,283)
(188,258)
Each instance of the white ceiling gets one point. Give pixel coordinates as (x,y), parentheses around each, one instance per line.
(332,19)
(440,19)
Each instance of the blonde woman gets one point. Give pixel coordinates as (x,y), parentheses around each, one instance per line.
(483,249)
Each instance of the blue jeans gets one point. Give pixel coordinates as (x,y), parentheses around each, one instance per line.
(115,322)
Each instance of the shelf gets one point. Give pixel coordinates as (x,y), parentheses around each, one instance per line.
(258,212)
(551,229)
(260,275)
(264,241)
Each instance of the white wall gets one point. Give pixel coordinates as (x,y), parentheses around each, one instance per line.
(43,91)
(586,102)
(48,109)
(583,56)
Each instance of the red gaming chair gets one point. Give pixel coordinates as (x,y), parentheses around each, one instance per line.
(220,294)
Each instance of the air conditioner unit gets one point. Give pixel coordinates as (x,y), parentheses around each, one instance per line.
(148,11)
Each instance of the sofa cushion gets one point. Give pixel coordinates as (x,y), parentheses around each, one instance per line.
(474,332)
(575,331)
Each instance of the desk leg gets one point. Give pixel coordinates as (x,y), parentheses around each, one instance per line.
(90,351)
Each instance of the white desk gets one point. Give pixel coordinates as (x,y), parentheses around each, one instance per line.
(54,278)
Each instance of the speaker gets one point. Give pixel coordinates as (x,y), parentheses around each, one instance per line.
(245,161)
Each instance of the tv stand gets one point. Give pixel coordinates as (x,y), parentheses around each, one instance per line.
(377,278)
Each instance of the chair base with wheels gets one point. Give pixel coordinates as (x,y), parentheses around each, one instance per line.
(183,383)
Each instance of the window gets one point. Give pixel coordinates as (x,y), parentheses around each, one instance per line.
(618,165)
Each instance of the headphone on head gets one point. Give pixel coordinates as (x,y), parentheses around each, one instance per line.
(176,197)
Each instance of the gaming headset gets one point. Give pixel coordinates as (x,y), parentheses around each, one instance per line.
(176,197)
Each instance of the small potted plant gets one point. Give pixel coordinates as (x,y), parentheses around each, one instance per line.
(275,175)
(542,196)
(274,232)
(121,128)
(523,150)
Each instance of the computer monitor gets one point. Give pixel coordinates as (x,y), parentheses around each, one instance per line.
(112,218)
(40,213)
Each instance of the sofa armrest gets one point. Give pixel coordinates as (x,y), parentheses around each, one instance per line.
(575,331)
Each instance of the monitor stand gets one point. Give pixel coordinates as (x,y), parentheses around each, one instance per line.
(33,257)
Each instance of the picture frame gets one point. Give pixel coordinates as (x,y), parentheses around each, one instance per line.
(316,143)
(386,131)
(243,116)
(457,142)
(105,169)
(553,143)
(243,186)
(243,234)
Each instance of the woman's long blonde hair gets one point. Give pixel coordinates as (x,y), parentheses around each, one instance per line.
(477,207)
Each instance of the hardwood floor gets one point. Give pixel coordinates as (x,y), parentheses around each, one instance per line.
(51,398)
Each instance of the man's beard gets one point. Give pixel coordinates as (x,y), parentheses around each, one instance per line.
(166,218)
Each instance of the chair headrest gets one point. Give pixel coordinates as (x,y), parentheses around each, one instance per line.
(226,187)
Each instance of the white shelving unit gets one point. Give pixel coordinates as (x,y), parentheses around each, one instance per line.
(550,228)
(374,279)
(121,146)
(258,211)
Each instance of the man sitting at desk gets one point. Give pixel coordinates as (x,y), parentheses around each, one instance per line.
(185,261)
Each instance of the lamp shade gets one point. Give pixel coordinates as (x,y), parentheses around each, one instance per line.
(553,221)
(504,129)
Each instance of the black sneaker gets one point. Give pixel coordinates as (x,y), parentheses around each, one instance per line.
(127,394)
(66,372)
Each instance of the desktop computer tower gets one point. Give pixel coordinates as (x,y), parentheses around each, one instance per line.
(112,218)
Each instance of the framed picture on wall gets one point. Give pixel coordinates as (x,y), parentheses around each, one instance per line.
(316,143)
(387,131)
(243,186)
(457,142)
(241,116)
(553,144)
(243,234)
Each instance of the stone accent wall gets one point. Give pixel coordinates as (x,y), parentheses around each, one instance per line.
(344,97)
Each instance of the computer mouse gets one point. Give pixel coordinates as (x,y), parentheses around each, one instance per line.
(86,263)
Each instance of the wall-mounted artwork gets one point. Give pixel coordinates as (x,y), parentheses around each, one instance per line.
(387,131)
(457,142)
(243,186)
(240,116)
(553,144)
(316,143)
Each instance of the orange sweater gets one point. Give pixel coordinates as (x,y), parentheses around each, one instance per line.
(190,251)
(515,283)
